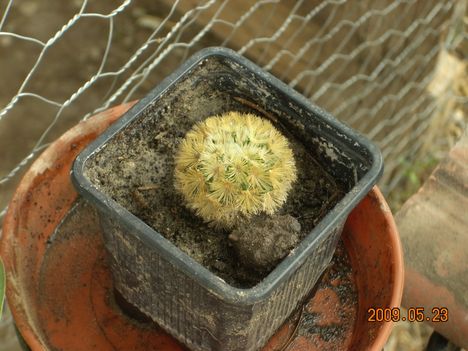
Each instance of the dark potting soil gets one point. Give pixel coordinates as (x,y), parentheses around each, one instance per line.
(136,169)
(328,319)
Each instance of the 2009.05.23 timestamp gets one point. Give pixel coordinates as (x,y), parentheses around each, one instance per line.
(412,314)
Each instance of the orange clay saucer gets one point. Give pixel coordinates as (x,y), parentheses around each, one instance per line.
(60,290)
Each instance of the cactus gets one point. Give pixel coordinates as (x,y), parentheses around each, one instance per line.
(234,165)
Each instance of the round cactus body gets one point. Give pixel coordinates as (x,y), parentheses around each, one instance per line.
(234,164)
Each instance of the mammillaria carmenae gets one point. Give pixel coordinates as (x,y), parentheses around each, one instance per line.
(234,164)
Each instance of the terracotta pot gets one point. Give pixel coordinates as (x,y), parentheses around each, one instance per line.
(60,289)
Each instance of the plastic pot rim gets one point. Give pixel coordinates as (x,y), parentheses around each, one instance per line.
(173,254)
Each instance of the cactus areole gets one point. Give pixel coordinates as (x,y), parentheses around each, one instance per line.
(234,165)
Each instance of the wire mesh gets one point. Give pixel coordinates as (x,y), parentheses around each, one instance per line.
(368,62)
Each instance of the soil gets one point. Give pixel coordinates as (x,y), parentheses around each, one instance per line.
(327,318)
(135,168)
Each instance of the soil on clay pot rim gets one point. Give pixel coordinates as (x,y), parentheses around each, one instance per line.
(136,169)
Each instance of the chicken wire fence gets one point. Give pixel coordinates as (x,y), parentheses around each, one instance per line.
(374,64)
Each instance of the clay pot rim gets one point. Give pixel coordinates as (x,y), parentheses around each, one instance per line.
(397,269)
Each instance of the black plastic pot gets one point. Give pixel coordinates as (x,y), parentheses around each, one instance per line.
(193,304)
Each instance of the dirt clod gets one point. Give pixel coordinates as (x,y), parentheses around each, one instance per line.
(263,241)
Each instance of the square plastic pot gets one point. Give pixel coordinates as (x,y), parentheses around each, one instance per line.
(194,305)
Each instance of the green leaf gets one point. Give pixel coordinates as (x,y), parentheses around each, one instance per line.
(2,286)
